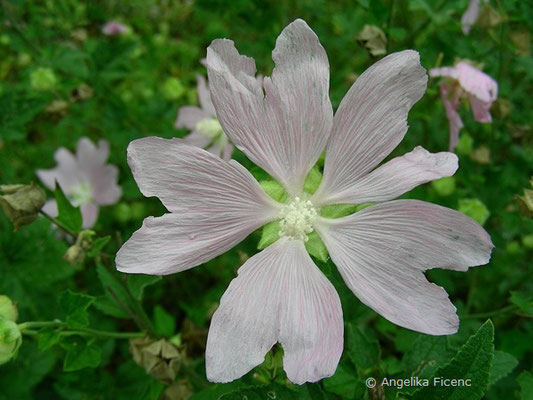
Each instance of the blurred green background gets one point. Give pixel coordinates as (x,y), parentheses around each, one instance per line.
(61,79)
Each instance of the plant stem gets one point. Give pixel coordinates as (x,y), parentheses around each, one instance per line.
(494,313)
(26,328)
(58,224)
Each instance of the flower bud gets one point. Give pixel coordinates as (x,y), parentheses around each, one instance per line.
(10,340)
(21,203)
(173,89)
(75,254)
(374,40)
(8,310)
(160,358)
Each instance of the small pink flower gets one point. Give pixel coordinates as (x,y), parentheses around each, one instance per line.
(202,121)
(467,81)
(113,28)
(284,125)
(85,178)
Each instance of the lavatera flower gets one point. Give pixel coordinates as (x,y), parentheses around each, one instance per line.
(465,81)
(284,125)
(85,178)
(205,130)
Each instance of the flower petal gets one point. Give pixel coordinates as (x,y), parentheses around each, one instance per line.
(285,128)
(476,82)
(398,176)
(219,204)
(204,96)
(382,251)
(371,119)
(106,191)
(470,16)
(451,98)
(89,156)
(189,116)
(89,214)
(480,109)
(279,296)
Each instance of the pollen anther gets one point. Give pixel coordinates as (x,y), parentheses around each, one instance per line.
(296,219)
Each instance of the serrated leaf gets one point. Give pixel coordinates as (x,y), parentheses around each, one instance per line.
(344,383)
(316,247)
(165,323)
(75,306)
(109,307)
(269,235)
(473,361)
(503,365)
(80,355)
(362,350)
(138,282)
(524,301)
(525,380)
(69,215)
(426,355)
(97,246)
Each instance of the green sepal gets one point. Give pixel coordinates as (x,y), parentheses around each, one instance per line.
(275,190)
(312,182)
(342,210)
(69,215)
(269,235)
(316,247)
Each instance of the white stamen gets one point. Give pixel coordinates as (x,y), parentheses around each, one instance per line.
(296,219)
(80,194)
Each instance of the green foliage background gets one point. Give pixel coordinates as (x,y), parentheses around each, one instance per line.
(138,81)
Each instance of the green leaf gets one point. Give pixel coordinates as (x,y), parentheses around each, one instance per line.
(475,209)
(75,306)
(269,234)
(272,391)
(362,350)
(80,355)
(524,301)
(344,383)
(113,287)
(275,190)
(316,247)
(165,323)
(97,246)
(48,338)
(69,215)
(109,307)
(312,181)
(503,365)
(426,355)
(473,361)
(138,282)
(525,380)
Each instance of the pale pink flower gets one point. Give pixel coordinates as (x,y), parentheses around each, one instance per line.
(113,28)
(86,179)
(470,16)
(203,124)
(283,125)
(469,82)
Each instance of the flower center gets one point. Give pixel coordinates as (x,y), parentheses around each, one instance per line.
(296,219)
(209,127)
(80,194)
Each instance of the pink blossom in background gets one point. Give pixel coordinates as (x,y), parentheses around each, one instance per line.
(85,178)
(113,28)
(470,16)
(203,124)
(469,82)
(283,125)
